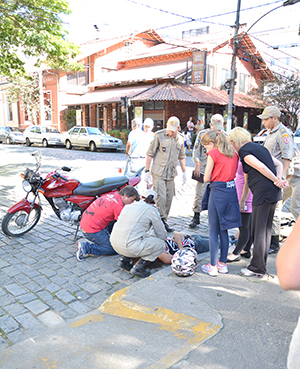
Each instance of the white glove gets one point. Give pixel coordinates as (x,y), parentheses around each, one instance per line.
(148,178)
(183,178)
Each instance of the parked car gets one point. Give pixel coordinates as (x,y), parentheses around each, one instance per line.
(91,138)
(43,135)
(11,135)
(261,136)
(297,136)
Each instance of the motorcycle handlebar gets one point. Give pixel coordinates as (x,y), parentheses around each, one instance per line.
(64,178)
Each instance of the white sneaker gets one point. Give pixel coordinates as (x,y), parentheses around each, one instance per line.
(79,251)
(248,273)
(222,268)
(212,270)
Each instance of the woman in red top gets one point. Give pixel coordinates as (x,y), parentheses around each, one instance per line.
(223,206)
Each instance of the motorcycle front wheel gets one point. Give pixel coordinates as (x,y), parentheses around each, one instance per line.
(13,223)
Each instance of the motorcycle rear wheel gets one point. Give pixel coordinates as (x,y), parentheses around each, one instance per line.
(12,224)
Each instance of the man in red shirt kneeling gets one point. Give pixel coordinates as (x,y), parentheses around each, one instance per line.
(98,220)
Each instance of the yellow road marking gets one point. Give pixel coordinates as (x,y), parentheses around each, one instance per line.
(181,325)
(87,320)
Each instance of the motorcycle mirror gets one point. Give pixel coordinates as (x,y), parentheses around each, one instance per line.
(66,169)
(36,154)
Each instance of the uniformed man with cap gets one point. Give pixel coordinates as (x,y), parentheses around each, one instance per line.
(165,150)
(200,160)
(279,142)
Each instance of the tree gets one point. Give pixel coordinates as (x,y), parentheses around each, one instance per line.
(284,92)
(33,29)
(26,90)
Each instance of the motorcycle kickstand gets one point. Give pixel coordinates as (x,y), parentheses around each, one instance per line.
(75,237)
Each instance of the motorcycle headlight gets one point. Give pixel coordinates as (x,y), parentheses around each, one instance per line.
(26,186)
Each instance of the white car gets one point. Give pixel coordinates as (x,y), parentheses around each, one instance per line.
(43,135)
(261,136)
(11,135)
(91,138)
(297,136)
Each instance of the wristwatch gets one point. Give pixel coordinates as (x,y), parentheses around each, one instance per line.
(147,170)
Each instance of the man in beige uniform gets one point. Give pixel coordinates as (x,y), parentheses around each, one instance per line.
(166,148)
(280,143)
(200,159)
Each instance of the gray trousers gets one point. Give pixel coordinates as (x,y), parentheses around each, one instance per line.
(165,192)
(199,191)
(293,191)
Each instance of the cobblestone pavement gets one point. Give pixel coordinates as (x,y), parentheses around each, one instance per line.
(42,283)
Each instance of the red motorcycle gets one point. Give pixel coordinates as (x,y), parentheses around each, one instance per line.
(67,197)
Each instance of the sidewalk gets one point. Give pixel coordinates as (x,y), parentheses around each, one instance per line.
(169,322)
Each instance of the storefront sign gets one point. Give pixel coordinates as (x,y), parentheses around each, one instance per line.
(199,67)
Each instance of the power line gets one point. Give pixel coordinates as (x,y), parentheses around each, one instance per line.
(290,56)
(202,19)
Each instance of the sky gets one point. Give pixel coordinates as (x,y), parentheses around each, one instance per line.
(170,18)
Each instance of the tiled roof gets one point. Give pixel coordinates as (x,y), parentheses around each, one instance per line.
(166,92)
(195,93)
(163,92)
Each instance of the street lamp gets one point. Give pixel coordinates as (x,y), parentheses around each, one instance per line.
(234,55)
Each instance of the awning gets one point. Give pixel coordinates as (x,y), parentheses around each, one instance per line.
(105,96)
(161,71)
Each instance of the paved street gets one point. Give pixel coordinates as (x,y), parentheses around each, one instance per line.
(58,313)
(42,283)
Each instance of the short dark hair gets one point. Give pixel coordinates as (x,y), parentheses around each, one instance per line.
(149,199)
(130,191)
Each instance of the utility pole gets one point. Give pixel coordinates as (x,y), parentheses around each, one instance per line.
(233,67)
(231,81)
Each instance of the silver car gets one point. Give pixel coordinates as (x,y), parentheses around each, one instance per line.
(43,135)
(91,138)
(11,135)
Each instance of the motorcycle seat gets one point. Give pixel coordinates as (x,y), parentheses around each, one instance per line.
(102,186)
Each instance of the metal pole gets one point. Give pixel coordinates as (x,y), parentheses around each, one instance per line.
(233,66)
(127,115)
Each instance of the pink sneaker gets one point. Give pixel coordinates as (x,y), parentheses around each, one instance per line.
(212,270)
(222,268)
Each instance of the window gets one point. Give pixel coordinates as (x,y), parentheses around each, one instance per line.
(75,131)
(154,105)
(48,105)
(225,75)
(78,78)
(210,76)
(9,111)
(128,47)
(243,83)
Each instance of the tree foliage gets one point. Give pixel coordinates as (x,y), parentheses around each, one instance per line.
(33,29)
(284,92)
(26,89)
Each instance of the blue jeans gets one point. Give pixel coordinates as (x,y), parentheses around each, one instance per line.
(202,243)
(214,233)
(100,243)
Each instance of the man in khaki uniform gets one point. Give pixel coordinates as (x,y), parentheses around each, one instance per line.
(200,159)
(165,150)
(280,143)
(293,177)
